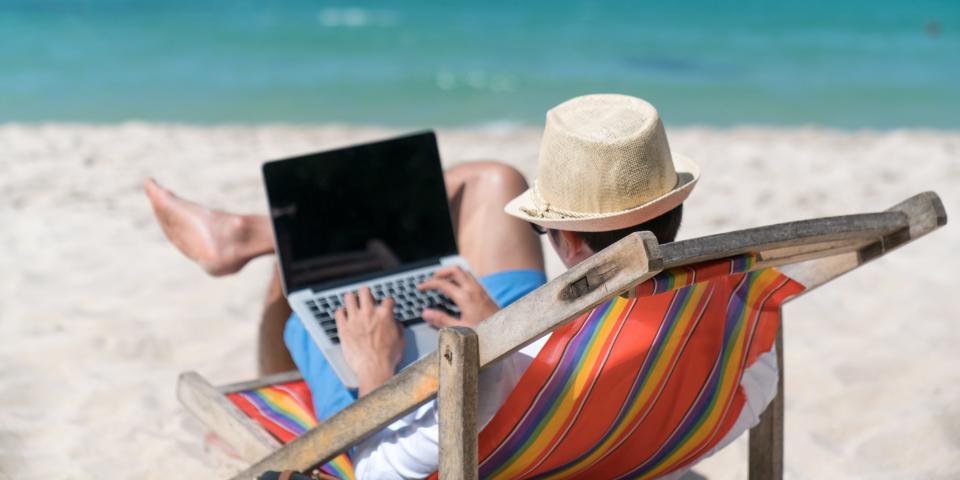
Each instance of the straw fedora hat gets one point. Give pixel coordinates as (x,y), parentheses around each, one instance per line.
(604,165)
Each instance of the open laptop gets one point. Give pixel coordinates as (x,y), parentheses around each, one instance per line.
(374,214)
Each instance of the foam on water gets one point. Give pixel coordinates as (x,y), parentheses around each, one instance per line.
(356,17)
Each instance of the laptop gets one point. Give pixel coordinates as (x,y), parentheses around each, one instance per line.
(371,215)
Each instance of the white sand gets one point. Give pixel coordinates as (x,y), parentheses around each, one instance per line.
(98,314)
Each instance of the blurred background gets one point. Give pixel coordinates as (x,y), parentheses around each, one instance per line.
(856,63)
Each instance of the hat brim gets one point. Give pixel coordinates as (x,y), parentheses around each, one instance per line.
(688,173)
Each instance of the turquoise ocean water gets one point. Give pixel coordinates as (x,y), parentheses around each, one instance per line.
(431,63)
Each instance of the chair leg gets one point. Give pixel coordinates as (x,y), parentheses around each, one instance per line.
(459,357)
(766,439)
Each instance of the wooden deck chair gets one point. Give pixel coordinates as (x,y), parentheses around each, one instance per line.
(737,267)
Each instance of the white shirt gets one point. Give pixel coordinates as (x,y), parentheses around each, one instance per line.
(410,447)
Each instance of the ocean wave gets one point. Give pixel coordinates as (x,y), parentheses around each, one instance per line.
(356,17)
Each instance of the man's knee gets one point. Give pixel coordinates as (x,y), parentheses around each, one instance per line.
(494,177)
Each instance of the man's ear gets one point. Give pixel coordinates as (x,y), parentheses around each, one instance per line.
(570,247)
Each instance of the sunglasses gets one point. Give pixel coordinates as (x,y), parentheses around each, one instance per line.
(537,228)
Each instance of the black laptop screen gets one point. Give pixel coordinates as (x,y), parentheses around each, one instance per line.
(359,211)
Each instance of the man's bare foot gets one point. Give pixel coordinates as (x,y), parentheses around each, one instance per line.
(220,242)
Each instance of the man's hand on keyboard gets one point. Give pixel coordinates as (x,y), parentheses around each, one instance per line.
(371,338)
(461,287)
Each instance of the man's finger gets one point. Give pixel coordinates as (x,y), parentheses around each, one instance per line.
(386,308)
(451,290)
(454,273)
(340,318)
(433,283)
(350,302)
(462,276)
(438,319)
(387,304)
(366,299)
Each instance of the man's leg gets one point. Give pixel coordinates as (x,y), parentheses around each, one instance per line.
(488,238)
(272,354)
(220,242)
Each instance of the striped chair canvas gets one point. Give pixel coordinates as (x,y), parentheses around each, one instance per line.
(640,387)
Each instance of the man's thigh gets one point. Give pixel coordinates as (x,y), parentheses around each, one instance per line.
(487,237)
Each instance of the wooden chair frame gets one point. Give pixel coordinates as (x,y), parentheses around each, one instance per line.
(811,252)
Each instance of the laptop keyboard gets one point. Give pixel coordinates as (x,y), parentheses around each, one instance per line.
(410,302)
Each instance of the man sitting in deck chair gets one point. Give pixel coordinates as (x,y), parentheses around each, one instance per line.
(605,171)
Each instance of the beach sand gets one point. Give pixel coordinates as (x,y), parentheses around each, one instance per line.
(98,313)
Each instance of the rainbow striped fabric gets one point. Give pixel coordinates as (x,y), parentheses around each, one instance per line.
(286,411)
(640,387)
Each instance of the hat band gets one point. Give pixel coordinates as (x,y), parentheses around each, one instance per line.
(543,208)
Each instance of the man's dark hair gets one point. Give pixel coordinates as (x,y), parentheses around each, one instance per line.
(664,227)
